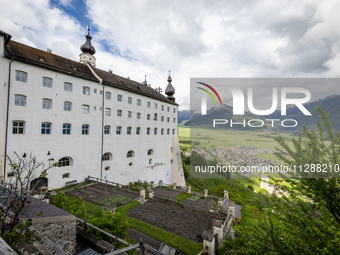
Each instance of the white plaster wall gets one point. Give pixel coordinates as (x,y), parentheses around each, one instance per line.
(85,150)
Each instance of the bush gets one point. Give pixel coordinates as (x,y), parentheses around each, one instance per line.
(109,222)
(186,170)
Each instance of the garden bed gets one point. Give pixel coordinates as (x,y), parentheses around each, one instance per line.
(177,220)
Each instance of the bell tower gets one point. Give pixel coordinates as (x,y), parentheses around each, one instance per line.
(88,51)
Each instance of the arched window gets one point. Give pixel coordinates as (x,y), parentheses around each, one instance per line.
(150,152)
(173,131)
(128,130)
(162,131)
(107,156)
(155,116)
(150,161)
(65,161)
(130,154)
(155,131)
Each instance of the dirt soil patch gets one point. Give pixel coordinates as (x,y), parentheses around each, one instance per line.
(96,194)
(182,222)
(167,193)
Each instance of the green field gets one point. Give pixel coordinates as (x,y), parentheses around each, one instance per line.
(231,138)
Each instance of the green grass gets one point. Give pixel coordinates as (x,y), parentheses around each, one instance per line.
(93,209)
(233,138)
(183,196)
(183,245)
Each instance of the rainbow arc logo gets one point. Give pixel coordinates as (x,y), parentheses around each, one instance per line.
(204,100)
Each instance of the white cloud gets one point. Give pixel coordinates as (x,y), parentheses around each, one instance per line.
(201,39)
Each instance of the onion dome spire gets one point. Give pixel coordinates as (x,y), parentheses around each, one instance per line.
(87,46)
(170,90)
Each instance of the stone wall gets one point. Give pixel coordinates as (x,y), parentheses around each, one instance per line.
(60,230)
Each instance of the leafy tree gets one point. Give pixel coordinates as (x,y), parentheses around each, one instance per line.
(250,187)
(305,220)
(186,170)
(15,198)
(111,223)
(75,207)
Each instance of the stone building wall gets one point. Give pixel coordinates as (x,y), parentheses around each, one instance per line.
(60,230)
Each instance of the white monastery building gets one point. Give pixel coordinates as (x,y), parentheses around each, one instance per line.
(91,121)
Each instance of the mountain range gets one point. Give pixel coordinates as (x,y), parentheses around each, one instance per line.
(329,104)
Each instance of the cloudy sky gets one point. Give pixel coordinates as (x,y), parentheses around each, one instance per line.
(193,38)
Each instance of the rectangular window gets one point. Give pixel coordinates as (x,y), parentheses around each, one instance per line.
(101,92)
(119,98)
(138,115)
(108,95)
(66,129)
(46,128)
(67,106)
(118,130)
(46,103)
(85,108)
(67,86)
(148,117)
(107,111)
(101,108)
(94,108)
(168,109)
(162,118)
(86,90)
(168,119)
(129,114)
(174,120)
(20,100)
(95,90)
(21,76)
(137,130)
(168,131)
(155,106)
(162,107)
(85,129)
(18,127)
(107,130)
(47,82)
(66,175)
(139,102)
(130,100)
(148,131)
(155,131)
(148,104)
(174,110)
(128,131)
(119,113)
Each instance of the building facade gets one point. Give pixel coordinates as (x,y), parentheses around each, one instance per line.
(91,121)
